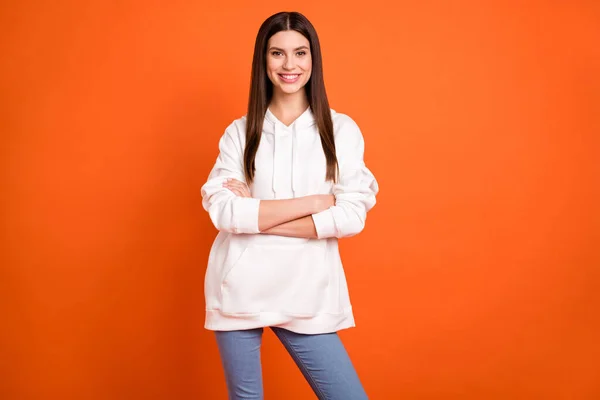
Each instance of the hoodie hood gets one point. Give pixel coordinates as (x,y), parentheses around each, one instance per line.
(276,128)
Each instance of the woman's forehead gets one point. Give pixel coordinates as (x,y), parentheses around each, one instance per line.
(288,40)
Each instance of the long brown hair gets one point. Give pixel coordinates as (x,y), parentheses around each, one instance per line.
(261,91)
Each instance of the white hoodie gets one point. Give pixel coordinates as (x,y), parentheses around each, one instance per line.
(256,280)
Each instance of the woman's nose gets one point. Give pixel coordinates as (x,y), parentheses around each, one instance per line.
(289,63)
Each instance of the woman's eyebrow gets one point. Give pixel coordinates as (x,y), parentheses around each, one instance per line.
(296,49)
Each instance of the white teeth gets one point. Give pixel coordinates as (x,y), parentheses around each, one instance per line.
(290,76)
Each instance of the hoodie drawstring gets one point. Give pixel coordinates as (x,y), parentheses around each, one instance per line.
(274,182)
(280,151)
(294,159)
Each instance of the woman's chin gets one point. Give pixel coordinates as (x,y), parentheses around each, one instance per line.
(289,89)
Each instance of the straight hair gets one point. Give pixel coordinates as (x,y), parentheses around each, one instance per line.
(261,91)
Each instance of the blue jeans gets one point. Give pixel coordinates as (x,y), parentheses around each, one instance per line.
(322,359)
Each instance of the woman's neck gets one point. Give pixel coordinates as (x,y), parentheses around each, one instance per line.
(288,107)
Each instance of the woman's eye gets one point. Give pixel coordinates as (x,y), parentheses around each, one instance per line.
(278,53)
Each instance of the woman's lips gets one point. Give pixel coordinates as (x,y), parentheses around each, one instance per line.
(289,78)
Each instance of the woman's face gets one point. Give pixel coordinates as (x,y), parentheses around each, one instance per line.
(289,62)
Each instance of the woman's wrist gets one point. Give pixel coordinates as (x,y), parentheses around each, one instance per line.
(302,227)
(311,204)
(319,202)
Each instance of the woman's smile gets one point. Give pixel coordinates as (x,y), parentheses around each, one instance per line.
(289,78)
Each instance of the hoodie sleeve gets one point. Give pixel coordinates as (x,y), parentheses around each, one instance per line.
(355,190)
(229,212)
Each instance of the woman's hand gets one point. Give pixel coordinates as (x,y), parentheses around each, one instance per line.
(237,187)
(322,202)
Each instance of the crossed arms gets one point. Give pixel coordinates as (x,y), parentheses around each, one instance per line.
(289,217)
(341,214)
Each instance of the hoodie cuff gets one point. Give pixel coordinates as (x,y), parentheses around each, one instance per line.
(247,215)
(324,224)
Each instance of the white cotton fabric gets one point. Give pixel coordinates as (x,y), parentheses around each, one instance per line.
(256,280)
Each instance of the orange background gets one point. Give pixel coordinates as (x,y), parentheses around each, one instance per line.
(477,276)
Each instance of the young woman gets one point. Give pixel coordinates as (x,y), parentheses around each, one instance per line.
(289,181)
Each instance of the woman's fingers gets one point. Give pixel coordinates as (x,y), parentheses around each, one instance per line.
(235,183)
(245,190)
(232,182)
(240,187)
(237,187)
(237,192)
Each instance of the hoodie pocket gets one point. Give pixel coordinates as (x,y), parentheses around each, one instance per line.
(290,278)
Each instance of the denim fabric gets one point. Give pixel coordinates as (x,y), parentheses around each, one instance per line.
(322,359)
